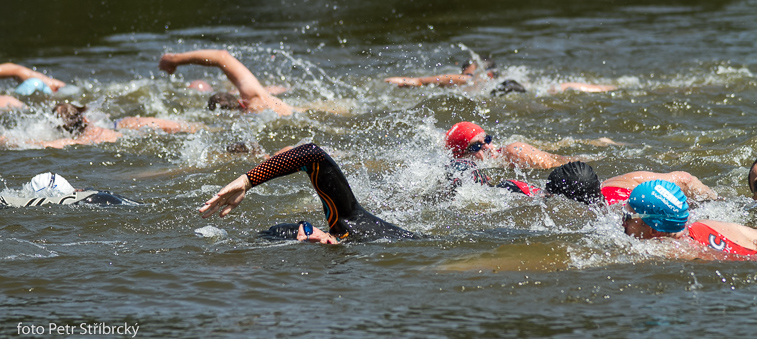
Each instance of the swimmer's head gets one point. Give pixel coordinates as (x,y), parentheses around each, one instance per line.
(752,180)
(245,148)
(507,86)
(577,181)
(459,137)
(31,85)
(73,120)
(661,205)
(200,85)
(52,184)
(470,66)
(224,100)
(237,147)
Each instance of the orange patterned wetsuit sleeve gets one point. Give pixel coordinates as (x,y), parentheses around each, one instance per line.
(344,214)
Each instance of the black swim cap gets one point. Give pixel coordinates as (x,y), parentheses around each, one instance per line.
(508,86)
(237,147)
(577,181)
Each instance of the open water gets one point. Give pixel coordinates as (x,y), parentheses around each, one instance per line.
(495,264)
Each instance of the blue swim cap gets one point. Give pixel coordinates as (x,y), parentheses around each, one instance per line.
(664,204)
(32,85)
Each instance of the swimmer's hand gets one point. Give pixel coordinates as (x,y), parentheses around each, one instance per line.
(404,81)
(167,63)
(227,198)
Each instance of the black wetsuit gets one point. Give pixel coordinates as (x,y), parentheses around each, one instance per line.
(86,197)
(347,220)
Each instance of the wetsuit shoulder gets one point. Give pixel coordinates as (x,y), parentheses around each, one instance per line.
(519,187)
(615,195)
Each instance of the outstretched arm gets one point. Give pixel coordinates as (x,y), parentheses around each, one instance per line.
(21,73)
(523,155)
(439,80)
(168,126)
(281,164)
(227,198)
(248,85)
(584,87)
(9,102)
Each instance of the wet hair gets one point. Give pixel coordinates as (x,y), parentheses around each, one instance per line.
(224,100)
(73,121)
(242,147)
(508,86)
(237,147)
(488,64)
(752,182)
(577,181)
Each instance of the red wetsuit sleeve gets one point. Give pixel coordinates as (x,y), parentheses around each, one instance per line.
(705,235)
(525,188)
(615,195)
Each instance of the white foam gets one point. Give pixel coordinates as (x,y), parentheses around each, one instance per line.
(211,232)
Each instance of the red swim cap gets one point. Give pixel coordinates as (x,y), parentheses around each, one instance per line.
(459,136)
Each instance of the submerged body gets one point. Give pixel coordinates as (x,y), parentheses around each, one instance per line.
(88,197)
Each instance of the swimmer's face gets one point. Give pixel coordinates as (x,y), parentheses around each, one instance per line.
(487,149)
(635,226)
(753,181)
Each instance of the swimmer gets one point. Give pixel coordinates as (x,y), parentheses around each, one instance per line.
(658,209)
(84,133)
(468,140)
(578,181)
(253,96)
(347,220)
(51,188)
(468,76)
(23,74)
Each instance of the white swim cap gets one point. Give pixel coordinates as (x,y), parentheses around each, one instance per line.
(51,182)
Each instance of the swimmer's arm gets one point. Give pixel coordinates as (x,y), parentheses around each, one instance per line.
(283,163)
(9,102)
(691,186)
(21,73)
(584,87)
(168,126)
(522,155)
(248,85)
(60,143)
(439,80)
(228,198)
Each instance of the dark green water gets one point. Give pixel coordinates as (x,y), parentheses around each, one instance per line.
(531,267)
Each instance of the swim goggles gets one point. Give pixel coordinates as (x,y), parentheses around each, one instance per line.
(307,228)
(628,215)
(475,147)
